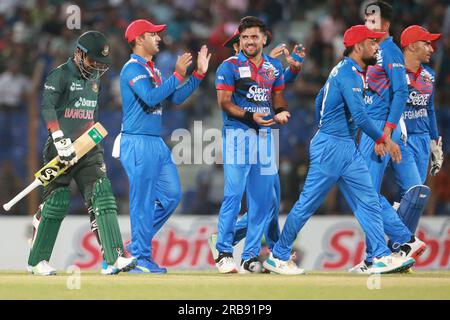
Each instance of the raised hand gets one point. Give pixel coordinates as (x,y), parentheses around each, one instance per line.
(277,51)
(203,60)
(183,62)
(295,59)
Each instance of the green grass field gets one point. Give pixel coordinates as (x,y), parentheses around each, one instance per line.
(210,285)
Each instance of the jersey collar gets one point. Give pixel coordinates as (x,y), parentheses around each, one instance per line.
(243,58)
(74,68)
(353,63)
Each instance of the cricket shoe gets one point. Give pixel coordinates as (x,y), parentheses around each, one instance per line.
(413,249)
(212,241)
(394,263)
(147,266)
(122,264)
(252,265)
(282,267)
(43,268)
(225,263)
(361,268)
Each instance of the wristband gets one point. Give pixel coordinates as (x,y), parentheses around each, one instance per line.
(248,115)
(382,139)
(296,57)
(278,110)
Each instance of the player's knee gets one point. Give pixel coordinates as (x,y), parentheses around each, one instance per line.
(103,200)
(57,204)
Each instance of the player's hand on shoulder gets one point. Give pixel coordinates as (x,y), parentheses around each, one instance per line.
(282,117)
(259,119)
(203,60)
(183,62)
(64,147)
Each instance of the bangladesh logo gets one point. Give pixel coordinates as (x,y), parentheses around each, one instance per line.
(105,51)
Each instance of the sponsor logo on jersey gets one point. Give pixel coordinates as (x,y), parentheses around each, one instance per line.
(137,78)
(76,87)
(49,87)
(368,99)
(258,94)
(396,65)
(418,99)
(415,114)
(83,102)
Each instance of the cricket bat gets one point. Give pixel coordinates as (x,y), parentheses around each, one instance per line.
(55,167)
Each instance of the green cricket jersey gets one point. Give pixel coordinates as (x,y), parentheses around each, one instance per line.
(69,100)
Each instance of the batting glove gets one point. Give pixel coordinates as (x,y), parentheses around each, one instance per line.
(437,156)
(65,148)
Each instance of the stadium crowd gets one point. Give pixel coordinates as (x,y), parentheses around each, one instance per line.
(34,38)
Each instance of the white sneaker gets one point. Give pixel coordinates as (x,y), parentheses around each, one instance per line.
(252,265)
(391,264)
(413,249)
(121,264)
(43,268)
(361,268)
(212,240)
(225,263)
(282,267)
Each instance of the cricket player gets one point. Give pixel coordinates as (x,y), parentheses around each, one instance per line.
(421,126)
(248,86)
(335,158)
(69,107)
(386,97)
(272,229)
(155,189)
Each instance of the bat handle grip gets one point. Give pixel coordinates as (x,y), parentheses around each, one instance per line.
(22,194)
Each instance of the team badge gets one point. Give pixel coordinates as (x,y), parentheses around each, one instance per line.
(270,74)
(105,50)
(95,87)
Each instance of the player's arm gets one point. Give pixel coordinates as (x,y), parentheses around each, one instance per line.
(295,60)
(395,69)
(138,79)
(353,95)
(185,91)
(437,155)
(54,86)
(279,103)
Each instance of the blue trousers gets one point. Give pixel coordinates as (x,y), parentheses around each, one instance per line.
(155,190)
(248,166)
(413,168)
(334,161)
(272,228)
(394,228)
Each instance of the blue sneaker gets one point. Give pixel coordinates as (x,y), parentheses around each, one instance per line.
(148,266)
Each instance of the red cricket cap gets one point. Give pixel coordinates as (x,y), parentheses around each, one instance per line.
(359,33)
(235,38)
(141,26)
(417,33)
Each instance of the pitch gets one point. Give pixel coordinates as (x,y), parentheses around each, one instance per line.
(206,285)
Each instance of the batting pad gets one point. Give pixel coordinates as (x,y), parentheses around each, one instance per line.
(52,214)
(105,209)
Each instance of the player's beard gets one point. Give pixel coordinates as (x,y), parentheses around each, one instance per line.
(254,53)
(370,61)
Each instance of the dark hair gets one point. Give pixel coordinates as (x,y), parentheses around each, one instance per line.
(348,51)
(132,44)
(386,10)
(251,22)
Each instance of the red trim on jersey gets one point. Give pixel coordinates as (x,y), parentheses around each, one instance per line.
(52,126)
(390,125)
(382,139)
(178,76)
(198,75)
(278,88)
(224,87)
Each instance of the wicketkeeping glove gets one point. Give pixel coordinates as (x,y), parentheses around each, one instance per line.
(65,148)
(437,156)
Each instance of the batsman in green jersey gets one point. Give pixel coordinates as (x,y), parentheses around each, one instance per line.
(69,108)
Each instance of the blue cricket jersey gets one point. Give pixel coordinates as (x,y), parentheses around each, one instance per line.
(388,88)
(252,86)
(143,92)
(419,114)
(340,103)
